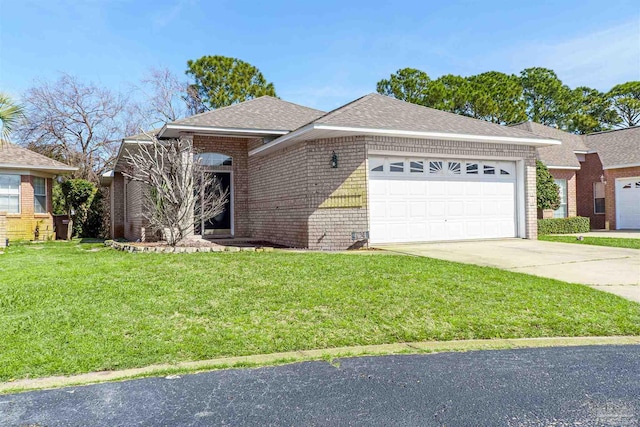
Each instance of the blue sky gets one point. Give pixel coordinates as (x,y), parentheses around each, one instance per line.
(320,54)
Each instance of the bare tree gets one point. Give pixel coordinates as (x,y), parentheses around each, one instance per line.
(164,97)
(76,122)
(179,191)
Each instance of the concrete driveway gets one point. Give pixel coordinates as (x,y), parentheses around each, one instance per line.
(615,270)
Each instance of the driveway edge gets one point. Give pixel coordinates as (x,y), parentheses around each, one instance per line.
(328,354)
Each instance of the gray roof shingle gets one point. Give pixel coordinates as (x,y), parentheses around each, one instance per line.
(265,112)
(616,147)
(557,155)
(12,155)
(383,112)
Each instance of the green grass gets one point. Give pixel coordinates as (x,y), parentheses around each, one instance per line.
(597,241)
(69,308)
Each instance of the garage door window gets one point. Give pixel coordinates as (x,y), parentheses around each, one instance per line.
(472,168)
(396,167)
(416,166)
(376,165)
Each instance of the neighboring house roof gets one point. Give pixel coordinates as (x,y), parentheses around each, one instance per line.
(142,136)
(15,157)
(617,148)
(377,114)
(266,113)
(558,156)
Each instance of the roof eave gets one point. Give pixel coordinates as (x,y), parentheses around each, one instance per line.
(51,169)
(173,131)
(292,137)
(629,165)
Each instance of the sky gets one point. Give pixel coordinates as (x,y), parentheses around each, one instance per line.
(319,54)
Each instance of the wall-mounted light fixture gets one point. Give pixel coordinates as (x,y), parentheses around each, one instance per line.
(602,180)
(334,160)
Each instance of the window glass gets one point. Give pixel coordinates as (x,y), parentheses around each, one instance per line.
(376,165)
(454,168)
(213,159)
(562,211)
(39,195)
(489,170)
(598,197)
(396,167)
(472,168)
(435,167)
(9,193)
(416,166)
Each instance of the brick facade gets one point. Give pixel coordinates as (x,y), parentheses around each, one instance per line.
(569,176)
(23,226)
(294,197)
(590,172)
(610,176)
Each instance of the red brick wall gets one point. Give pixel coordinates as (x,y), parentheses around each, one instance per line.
(22,226)
(610,176)
(570,177)
(589,173)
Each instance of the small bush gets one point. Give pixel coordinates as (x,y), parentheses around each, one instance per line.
(575,224)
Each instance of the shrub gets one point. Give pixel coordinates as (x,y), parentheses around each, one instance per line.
(547,190)
(575,224)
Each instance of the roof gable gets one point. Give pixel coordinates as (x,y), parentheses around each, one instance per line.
(265,112)
(383,112)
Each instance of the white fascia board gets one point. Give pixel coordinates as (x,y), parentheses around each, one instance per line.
(43,168)
(212,129)
(630,165)
(564,167)
(408,134)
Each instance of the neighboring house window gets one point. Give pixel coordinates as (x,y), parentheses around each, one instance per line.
(39,195)
(598,197)
(561,212)
(9,193)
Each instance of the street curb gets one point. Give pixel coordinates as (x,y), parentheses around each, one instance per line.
(328,354)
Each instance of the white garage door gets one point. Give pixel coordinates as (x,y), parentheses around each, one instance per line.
(628,203)
(420,199)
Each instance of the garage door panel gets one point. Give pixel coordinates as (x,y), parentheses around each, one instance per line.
(628,203)
(419,207)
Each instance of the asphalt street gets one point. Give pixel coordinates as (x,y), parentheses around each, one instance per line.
(570,386)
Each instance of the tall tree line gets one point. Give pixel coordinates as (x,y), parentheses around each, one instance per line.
(536,94)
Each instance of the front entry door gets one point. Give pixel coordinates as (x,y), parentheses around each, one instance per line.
(220,225)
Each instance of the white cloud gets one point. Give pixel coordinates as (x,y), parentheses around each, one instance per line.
(600,59)
(162,18)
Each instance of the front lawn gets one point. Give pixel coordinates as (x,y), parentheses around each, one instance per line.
(598,241)
(68,308)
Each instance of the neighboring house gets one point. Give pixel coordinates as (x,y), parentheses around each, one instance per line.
(598,174)
(26,180)
(375,168)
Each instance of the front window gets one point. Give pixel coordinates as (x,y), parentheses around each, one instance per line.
(9,193)
(213,159)
(39,195)
(598,197)
(561,212)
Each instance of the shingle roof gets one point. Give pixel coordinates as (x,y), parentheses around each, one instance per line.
(142,136)
(616,147)
(383,112)
(265,112)
(12,155)
(557,155)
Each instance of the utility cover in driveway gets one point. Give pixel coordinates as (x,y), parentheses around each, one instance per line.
(420,200)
